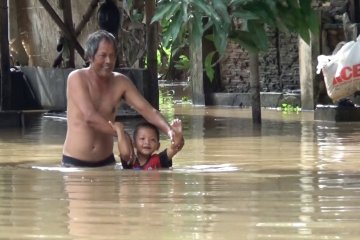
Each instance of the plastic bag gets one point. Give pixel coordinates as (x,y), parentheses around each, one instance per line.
(342,70)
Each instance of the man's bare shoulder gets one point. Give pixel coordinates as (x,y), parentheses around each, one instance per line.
(120,76)
(78,73)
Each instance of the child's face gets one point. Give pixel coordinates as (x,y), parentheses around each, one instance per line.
(146,141)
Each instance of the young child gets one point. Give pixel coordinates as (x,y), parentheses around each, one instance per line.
(146,142)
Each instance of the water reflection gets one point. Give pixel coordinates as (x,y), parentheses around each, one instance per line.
(292,178)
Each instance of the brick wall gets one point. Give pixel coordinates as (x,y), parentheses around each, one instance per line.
(279,66)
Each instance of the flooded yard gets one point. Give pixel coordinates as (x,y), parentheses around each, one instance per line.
(291,178)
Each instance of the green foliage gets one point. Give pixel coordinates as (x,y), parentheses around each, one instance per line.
(167,100)
(183,63)
(180,15)
(163,56)
(185,100)
(208,66)
(239,20)
(166,103)
(288,108)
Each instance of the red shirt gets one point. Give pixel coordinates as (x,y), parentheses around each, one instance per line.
(156,161)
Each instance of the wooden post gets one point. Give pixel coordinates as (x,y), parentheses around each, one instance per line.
(152,44)
(255,88)
(196,71)
(307,62)
(68,21)
(5,86)
(354,12)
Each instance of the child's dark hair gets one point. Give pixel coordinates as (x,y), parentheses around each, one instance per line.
(146,125)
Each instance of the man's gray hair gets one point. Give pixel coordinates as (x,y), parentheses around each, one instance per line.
(93,41)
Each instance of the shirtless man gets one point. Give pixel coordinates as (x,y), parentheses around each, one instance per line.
(93,97)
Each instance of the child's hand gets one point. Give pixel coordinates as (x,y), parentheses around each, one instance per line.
(171,135)
(117,126)
(178,140)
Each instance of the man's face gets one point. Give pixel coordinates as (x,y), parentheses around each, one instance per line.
(104,60)
(146,142)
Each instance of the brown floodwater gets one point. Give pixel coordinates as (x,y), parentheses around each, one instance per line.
(292,178)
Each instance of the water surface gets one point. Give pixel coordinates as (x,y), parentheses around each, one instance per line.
(291,178)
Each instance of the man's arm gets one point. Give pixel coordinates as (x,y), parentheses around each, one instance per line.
(133,98)
(78,93)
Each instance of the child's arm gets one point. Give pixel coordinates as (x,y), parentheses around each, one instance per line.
(178,141)
(124,142)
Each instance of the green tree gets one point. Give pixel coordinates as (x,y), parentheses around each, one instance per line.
(242,21)
(239,20)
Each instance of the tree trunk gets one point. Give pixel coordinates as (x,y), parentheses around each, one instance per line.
(152,43)
(5,89)
(255,88)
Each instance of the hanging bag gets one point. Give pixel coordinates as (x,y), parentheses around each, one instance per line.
(342,70)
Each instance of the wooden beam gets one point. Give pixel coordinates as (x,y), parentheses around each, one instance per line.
(152,44)
(89,12)
(5,83)
(63,27)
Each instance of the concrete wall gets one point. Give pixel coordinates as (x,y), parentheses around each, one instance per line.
(49,85)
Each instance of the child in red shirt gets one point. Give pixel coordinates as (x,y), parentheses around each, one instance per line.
(146,142)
